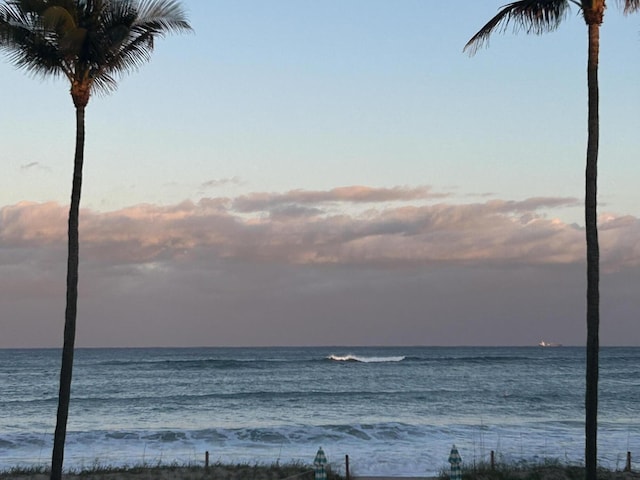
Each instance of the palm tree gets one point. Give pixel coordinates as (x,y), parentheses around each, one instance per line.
(88,42)
(540,16)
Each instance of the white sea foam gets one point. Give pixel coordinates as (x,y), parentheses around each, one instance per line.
(374,450)
(362,359)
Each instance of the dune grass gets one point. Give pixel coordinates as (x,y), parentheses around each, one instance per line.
(547,470)
(218,471)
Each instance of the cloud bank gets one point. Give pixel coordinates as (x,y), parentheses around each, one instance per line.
(400,265)
(397,226)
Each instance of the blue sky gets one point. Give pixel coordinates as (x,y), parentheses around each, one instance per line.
(362,114)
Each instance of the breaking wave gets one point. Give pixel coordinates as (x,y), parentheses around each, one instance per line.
(360,359)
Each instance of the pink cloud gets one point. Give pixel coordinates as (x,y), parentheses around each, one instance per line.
(303,231)
(351,194)
(190,274)
(32,223)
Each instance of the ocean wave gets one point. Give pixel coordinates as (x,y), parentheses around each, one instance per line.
(162,404)
(198,363)
(362,359)
(396,448)
(398,417)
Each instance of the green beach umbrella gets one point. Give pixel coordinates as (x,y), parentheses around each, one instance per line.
(456,464)
(318,465)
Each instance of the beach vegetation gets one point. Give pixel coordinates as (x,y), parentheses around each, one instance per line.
(549,469)
(175,471)
(538,17)
(90,43)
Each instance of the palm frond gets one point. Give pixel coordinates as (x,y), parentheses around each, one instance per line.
(162,17)
(28,42)
(90,41)
(131,56)
(104,83)
(533,16)
(128,32)
(630,6)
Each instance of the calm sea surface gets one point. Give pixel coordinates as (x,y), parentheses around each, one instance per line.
(392,410)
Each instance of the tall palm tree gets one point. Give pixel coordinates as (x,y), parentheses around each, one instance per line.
(540,16)
(89,42)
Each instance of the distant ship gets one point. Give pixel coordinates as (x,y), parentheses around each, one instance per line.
(549,344)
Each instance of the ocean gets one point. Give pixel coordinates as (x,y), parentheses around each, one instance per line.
(393,411)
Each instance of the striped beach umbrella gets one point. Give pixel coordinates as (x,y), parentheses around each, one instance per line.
(319,465)
(456,464)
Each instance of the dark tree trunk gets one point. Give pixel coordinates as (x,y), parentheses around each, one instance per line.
(71,308)
(593,259)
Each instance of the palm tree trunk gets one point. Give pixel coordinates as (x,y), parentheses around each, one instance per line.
(72,300)
(593,259)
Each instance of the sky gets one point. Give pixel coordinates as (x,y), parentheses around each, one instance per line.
(299,172)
